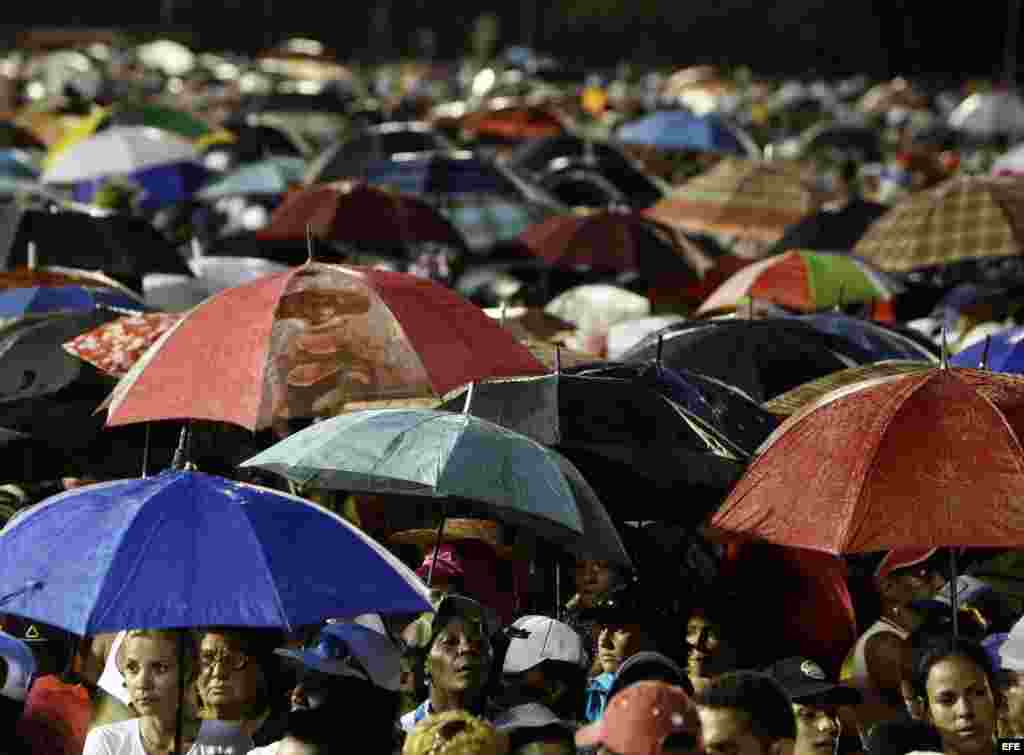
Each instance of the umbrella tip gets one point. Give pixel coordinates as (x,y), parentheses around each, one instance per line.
(309,243)
(657,357)
(469,398)
(944,359)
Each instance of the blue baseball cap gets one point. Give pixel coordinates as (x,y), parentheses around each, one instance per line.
(352,650)
(21,667)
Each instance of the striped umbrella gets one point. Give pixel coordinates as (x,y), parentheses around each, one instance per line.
(741,198)
(964,218)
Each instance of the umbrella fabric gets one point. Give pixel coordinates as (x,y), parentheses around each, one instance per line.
(832,230)
(1002,352)
(860,143)
(350,158)
(928,459)
(451,173)
(215,274)
(805,281)
(484,220)
(803,395)
(166,55)
(598,306)
(427,452)
(185,549)
(985,115)
(964,218)
(32,362)
(119,245)
(152,115)
(117,345)
(19,302)
(14,136)
(683,130)
(23,277)
(16,164)
(360,215)
(763,358)
(275,175)
(740,198)
(304,343)
(118,151)
(880,340)
(514,123)
(530,322)
(617,241)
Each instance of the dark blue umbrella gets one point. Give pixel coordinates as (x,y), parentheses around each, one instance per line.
(37,300)
(1002,352)
(881,341)
(682,130)
(443,173)
(186,549)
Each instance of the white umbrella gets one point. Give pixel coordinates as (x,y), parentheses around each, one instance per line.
(989,114)
(1010,162)
(168,56)
(121,150)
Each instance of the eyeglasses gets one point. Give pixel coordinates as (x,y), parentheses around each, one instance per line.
(230,659)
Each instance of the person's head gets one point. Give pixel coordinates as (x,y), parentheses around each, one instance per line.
(149,661)
(816,703)
(745,713)
(1008,680)
(954,680)
(459,653)
(646,718)
(233,682)
(648,666)
(595,579)
(626,624)
(907,575)
(553,739)
(455,732)
(711,647)
(545,662)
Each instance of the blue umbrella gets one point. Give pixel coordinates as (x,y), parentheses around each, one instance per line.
(1002,352)
(186,549)
(38,300)
(17,165)
(879,340)
(271,176)
(683,130)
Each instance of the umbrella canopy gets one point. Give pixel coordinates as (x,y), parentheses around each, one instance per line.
(1002,352)
(15,164)
(928,459)
(881,340)
(616,241)
(15,136)
(360,215)
(513,123)
(186,549)
(275,175)
(117,151)
(215,274)
(963,218)
(170,57)
(484,220)
(351,157)
(986,115)
(598,306)
(805,281)
(114,347)
(683,130)
(763,358)
(832,230)
(20,302)
(860,143)
(740,198)
(450,173)
(305,342)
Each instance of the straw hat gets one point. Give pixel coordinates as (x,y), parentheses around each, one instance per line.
(485,530)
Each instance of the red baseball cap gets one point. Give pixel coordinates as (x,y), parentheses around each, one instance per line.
(640,718)
(903,558)
(448,563)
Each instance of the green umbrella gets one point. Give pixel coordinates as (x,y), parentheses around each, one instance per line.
(180,122)
(429,453)
(271,176)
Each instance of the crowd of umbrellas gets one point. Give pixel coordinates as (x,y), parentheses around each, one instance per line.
(773,310)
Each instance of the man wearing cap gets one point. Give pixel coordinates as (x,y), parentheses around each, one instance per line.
(745,713)
(646,718)
(816,702)
(626,624)
(874,665)
(458,661)
(542,673)
(1008,651)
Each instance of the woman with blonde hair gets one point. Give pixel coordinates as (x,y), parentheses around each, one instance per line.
(149,661)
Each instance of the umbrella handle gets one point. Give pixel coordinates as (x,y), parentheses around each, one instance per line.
(437,547)
(954,592)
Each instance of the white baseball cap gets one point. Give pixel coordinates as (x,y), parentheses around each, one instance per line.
(545,640)
(21,667)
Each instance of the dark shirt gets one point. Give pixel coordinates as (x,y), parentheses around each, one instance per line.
(901,737)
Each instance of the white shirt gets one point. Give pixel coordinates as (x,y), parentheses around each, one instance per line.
(124,738)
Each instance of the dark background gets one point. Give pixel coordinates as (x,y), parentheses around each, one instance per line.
(793,37)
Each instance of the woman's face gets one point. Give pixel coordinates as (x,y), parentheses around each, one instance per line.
(229,681)
(150,669)
(961,706)
(616,643)
(707,651)
(593,578)
(817,729)
(459,659)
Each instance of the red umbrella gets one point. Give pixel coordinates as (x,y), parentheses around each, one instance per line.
(359,215)
(116,346)
(927,459)
(308,341)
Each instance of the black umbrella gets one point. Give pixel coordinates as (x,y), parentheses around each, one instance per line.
(124,247)
(860,143)
(353,156)
(623,435)
(831,230)
(763,358)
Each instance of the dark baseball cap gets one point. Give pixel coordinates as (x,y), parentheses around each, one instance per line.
(805,682)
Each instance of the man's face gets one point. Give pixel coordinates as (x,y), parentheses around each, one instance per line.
(817,729)
(726,731)
(708,653)
(459,659)
(1012,687)
(616,643)
(913,583)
